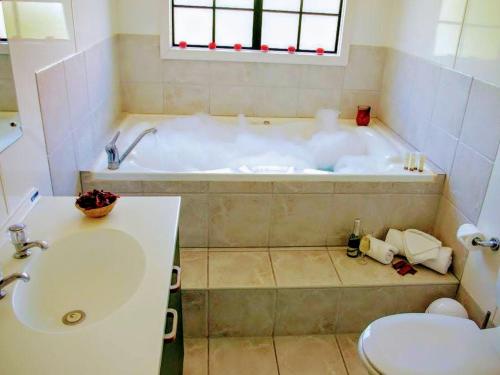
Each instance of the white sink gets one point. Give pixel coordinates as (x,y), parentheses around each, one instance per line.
(94,271)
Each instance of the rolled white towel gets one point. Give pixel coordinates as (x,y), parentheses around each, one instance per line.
(443,261)
(420,246)
(381,251)
(395,238)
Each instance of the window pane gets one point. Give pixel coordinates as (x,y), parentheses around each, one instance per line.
(193,26)
(279,30)
(3,32)
(282,5)
(203,3)
(318,31)
(247,4)
(233,26)
(321,6)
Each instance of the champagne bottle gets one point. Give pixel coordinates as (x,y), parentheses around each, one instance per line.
(354,240)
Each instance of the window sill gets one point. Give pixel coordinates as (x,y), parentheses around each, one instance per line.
(175,53)
(4,48)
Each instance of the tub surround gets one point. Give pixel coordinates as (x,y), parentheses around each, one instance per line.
(130,340)
(8,101)
(296,291)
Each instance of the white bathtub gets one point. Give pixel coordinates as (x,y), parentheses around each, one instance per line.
(258,149)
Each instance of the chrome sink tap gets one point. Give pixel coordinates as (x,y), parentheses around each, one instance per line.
(114,158)
(21,243)
(10,279)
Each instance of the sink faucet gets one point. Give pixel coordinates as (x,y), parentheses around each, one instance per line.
(10,279)
(114,158)
(21,243)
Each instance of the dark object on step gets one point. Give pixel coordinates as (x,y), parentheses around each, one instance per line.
(404,268)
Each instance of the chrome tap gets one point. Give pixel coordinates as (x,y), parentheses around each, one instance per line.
(114,158)
(10,279)
(21,243)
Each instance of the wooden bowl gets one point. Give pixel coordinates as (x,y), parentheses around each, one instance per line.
(97,212)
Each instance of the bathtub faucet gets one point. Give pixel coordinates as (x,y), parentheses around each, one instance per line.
(114,158)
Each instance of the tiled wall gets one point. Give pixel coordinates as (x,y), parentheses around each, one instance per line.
(455,120)
(80,102)
(152,85)
(8,100)
(262,214)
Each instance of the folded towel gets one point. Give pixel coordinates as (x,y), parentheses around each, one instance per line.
(419,246)
(395,238)
(442,263)
(381,251)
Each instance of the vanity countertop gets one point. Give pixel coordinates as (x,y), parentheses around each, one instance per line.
(127,341)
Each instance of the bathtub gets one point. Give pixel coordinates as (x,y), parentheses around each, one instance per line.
(217,148)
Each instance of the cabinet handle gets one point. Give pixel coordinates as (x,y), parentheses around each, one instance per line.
(174,288)
(170,337)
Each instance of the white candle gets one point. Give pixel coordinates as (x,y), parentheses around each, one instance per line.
(421,163)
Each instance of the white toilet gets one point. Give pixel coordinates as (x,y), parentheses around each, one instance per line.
(411,344)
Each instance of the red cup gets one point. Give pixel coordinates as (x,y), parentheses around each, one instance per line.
(264,48)
(291,49)
(237,47)
(212,45)
(363,116)
(320,51)
(183,44)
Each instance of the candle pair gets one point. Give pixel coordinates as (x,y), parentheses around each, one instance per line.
(414,161)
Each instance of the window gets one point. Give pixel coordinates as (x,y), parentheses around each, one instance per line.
(3,31)
(305,25)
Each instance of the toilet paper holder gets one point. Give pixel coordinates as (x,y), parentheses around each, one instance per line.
(493,243)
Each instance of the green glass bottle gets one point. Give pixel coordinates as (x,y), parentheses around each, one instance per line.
(354,240)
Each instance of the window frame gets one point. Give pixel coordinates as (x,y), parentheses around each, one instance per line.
(338,57)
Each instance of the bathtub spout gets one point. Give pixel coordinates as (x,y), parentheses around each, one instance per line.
(114,158)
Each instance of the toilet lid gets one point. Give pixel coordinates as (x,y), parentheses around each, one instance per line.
(407,344)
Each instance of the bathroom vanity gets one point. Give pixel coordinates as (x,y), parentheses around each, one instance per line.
(105,296)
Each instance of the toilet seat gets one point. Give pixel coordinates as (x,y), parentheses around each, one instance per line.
(411,344)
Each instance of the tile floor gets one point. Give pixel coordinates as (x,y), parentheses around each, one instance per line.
(285,355)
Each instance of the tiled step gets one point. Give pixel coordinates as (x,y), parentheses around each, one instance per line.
(284,355)
(296,291)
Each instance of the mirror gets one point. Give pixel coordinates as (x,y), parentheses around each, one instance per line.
(10,127)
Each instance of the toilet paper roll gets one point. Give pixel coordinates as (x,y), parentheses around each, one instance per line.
(395,238)
(443,261)
(466,233)
(381,251)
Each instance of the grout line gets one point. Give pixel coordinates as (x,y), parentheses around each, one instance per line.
(341,353)
(276,355)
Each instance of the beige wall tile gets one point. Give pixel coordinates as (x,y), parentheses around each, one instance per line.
(412,211)
(365,68)
(352,273)
(240,270)
(142,97)
(322,77)
(481,129)
(140,58)
(303,269)
(416,298)
(195,357)
(238,249)
(358,187)
(451,101)
(473,309)
(469,181)
(348,344)
(242,356)
(440,147)
(299,220)
(175,187)
(303,187)
(245,312)
(298,355)
(240,187)
(193,226)
(185,99)
(8,100)
(306,311)
(276,101)
(277,75)
(76,85)
(312,100)
(448,220)
(239,220)
(233,73)
(195,313)
(182,71)
(232,100)
(194,269)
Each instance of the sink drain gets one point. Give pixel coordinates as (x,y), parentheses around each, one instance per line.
(73,317)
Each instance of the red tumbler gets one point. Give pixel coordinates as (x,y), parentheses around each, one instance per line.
(363,116)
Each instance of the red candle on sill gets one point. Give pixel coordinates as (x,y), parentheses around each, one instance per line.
(237,47)
(320,51)
(291,49)
(264,48)
(182,44)
(363,116)
(212,45)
